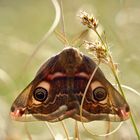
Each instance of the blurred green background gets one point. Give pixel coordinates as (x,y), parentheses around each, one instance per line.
(22,25)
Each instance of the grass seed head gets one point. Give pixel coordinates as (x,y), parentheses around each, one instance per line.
(89,20)
(97,50)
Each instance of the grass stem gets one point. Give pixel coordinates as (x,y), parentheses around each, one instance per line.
(112,66)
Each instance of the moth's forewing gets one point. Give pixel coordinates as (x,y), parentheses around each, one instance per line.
(23,106)
(51,109)
(19,106)
(113,108)
(65,77)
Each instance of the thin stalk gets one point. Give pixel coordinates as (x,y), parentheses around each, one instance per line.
(103,135)
(51,131)
(134,91)
(84,95)
(81,106)
(131,89)
(65,130)
(89,131)
(101,39)
(77,137)
(108,129)
(121,90)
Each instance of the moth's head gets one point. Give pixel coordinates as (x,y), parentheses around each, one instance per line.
(70,59)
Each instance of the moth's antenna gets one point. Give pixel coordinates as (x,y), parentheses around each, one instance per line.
(80,37)
(51,30)
(61,37)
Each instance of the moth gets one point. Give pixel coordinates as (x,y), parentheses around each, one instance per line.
(57,90)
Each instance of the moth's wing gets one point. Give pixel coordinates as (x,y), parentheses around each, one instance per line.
(113,108)
(47,68)
(116,98)
(22,99)
(21,103)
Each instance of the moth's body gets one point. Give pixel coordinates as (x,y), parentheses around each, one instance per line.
(63,79)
